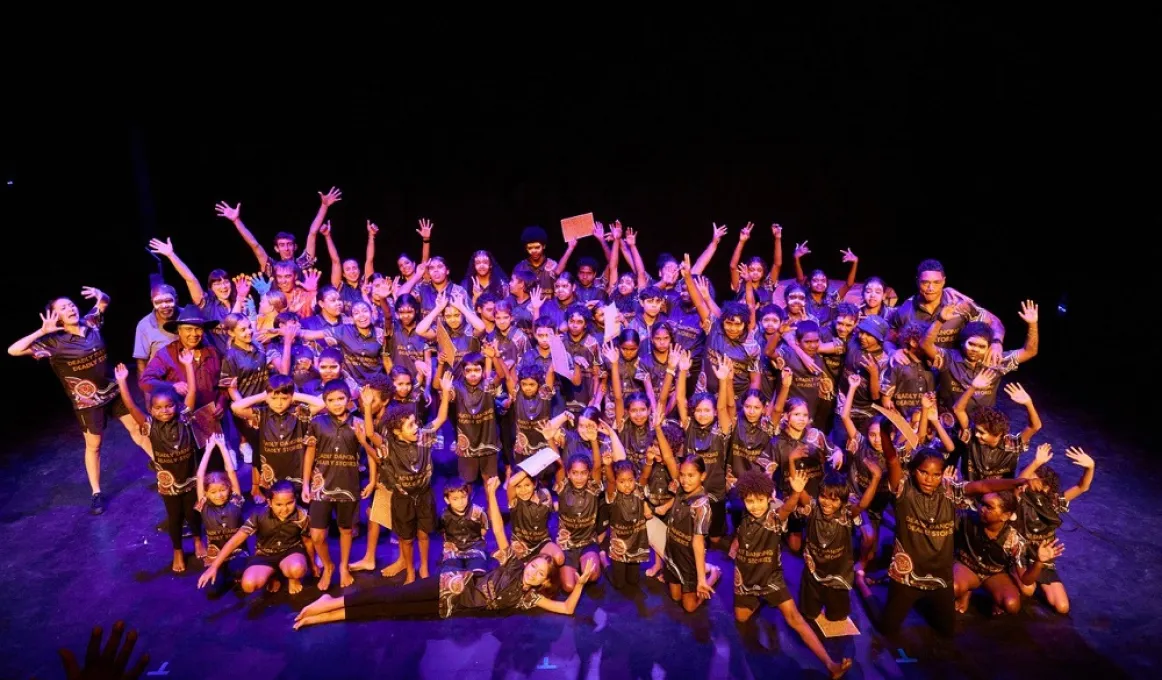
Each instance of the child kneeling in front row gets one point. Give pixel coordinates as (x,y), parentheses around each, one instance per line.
(279,529)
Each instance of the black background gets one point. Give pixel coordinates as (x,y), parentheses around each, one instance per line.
(986,141)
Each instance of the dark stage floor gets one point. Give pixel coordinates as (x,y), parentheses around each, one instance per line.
(65,571)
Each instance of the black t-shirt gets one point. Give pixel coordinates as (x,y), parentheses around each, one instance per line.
(758,561)
(709,443)
(827,552)
(464,534)
(923,553)
(627,524)
(81,362)
(983,554)
(992,462)
(281,442)
(275,536)
(689,517)
(336,473)
(407,467)
(476,422)
(530,519)
(221,523)
(249,368)
(175,457)
(501,588)
(577,514)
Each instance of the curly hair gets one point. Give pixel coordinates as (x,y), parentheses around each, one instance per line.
(755,483)
(992,420)
(914,330)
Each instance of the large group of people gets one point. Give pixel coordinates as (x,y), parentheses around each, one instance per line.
(622,420)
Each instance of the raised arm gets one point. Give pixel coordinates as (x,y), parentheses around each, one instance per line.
(369,257)
(1080,457)
(708,254)
(326,200)
(49,323)
(849,283)
(1020,396)
(165,248)
(980,382)
(1029,314)
(121,373)
(777,259)
(445,399)
(333,254)
(736,256)
(234,214)
(495,519)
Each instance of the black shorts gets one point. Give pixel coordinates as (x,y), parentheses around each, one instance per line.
(320,512)
(690,585)
(477,564)
(573,556)
(273,561)
(475,467)
(752,602)
(814,597)
(94,420)
(1048,575)
(410,513)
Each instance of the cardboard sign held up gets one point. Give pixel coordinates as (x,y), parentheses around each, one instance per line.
(573,228)
(560,358)
(539,462)
(444,341)
(901,424)
(612,325)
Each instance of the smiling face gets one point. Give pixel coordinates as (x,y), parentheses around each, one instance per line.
(704,412)
(639,413)
(844,325)
(284,278)
(190,335)
(796,301)
(162,408)
(217,494)
(733,327)
(829,504)
(361,315)
(482,265)
(243,332)
(285,248)
(351,271)
(819,283)
(873,295)
(757,505)
(690,478)
(536,572)
(163,306)
(406,267)
(283,504)
(222,289)
(524,488)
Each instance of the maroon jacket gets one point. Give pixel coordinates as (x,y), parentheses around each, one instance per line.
(164,369)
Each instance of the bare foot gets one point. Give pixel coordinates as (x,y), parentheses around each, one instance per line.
(315,619)
(365,564)
(998,610)
(325,578)
(411,578)
(315,570)
(199,549)
(345,578)
(294,586)
(394,569)
(179,563)
(962,603)
(273,585)
(838,669)
(653,571)
(316,607)
(423,571)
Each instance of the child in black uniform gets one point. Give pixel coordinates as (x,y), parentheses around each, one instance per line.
(690,578)
(406,470)
(477,435)
(279,530)
(828,561)
(331,478)
(220,502)
(757,555)
(1039,515)
(280,416)
(464,526)
(172,450)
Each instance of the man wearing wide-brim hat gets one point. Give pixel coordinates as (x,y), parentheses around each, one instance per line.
(164,370)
